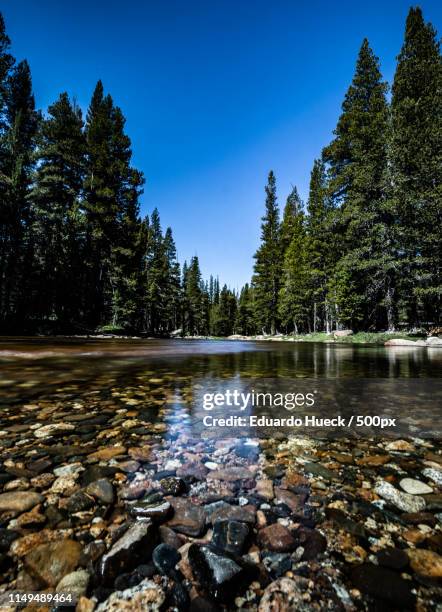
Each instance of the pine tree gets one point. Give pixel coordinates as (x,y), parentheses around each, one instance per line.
(195,300)
(172,313)
(245,321)
(224,314)
(267,269)
(357,169)
(57,222)
(19,140)
(321,254)
(416,153)
(112,188)
(292,207)
(293,297)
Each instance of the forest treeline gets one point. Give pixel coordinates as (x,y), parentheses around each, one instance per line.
(363,252)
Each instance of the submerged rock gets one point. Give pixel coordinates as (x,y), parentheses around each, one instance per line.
(51,562)
(415,487)
(403,501)
(147,595)
(277,538)
(165,558)
(132,548)
(384,584)
(230,536)
(19,501)
(188,518)
(217,573)
(283,594)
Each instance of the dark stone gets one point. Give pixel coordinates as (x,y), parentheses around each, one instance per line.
(122,582)
(192,470)
(165,558)
(247,451)
(178,597)
(173,486)
(79,501)
(168,536)
(340,519)
(102,490)
(222,511)
(230,536)
(157,511)
(419,518)
(127,552)
(146,570)
(188,518)
(200,604)
(392,557)
(218,574)
(277,564)
(4,478)
(96,472)
(319,470)
(7,536)
(384,584)
(164,474)
(434,501)
(313,543)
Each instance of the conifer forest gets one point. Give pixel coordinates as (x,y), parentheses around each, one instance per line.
(363,252)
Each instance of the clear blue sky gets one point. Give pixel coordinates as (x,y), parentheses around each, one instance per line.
(216,93)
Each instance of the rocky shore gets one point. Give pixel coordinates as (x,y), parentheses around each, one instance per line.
(127,512)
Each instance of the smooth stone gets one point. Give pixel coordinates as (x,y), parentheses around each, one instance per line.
(230,536)
(140,453)
(53,429)
(264,488)
(188,518)
(231,474)
(434,501)
(79,501)
(426,563)
(75,583)
(385,584)
(217,573)
(19,501)
(71,469)
(419,518)
(434,475)
(400,445)
(403,501)
(395,558)
(106,454)
(130,550)
(51,562)
(415,487)
(224,511)
(102,490)
(152,510)
(294,501)
(96,472)
(276,538)
(165,558)
(145,596)
(192,469)
(316,469)
(282,595)
(7,536)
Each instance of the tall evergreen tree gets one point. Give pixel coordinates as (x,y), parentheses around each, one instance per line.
(245,318)
(21,127)
(194,307)
(111,189)
(291,209)
(321,251)
(57,223)
(224,313)
(357,167)
(172,314)
(416,153)
(293,298)
(268,263)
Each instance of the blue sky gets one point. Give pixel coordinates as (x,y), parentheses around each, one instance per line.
(216,93)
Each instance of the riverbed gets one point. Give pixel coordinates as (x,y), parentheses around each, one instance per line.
(105,469)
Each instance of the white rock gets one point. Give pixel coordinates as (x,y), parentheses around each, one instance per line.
(71,469)
(404,342)
(75,583)
(403,501)
(433,474)
(49,430)
(415,487)
(145,596)
(211,465)
(434,341)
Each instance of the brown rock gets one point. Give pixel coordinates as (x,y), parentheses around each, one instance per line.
(24,545)
(283,594)
(50,562)
(265,489)
(140,453)
(230,474)
(293,501)
(426,563)
(105,454)
(277,538)
(188,518)
(373,460)
(19,501)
